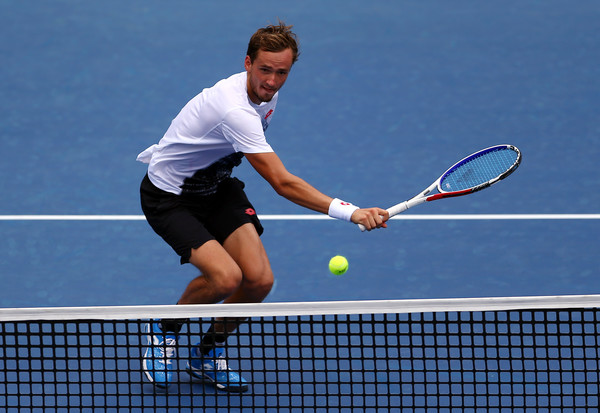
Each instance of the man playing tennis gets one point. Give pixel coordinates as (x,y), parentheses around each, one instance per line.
(190,199)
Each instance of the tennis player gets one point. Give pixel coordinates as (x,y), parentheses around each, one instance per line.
(191,200)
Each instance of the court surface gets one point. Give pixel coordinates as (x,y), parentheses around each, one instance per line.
(384,97)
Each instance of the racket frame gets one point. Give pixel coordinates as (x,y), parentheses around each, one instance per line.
(426,197)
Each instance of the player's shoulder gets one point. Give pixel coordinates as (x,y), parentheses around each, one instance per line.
(233,87)
(220,97)
(226,94)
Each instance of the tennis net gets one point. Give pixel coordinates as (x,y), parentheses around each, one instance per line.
(410,355)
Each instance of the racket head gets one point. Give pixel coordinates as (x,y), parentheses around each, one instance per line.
(480,170)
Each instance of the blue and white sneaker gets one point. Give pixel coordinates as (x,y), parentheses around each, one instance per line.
(159,355)
(213,369)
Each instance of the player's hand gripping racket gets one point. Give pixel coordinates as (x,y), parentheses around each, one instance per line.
(471,174)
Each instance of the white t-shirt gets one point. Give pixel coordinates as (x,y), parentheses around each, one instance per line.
(207,138)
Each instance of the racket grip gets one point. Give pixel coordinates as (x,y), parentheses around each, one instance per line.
(395,210)
(398,208)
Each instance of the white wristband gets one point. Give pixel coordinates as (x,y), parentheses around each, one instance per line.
(341,210)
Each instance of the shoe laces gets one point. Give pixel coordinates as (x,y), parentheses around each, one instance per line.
(166,348)
(221,363)
(217,357)
(170,343)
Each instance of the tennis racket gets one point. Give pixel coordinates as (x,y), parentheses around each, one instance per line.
(471,174)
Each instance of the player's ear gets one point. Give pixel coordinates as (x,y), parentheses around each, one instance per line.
(247,63)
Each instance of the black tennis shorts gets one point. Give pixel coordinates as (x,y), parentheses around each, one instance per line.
(186,222)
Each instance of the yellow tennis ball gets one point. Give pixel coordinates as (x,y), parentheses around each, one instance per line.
(338,265)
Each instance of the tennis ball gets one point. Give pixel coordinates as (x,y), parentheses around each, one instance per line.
(338,265)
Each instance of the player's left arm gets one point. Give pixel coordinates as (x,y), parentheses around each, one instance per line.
(297,190)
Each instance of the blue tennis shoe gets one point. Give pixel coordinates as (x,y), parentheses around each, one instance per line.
(212,368)
(159,355)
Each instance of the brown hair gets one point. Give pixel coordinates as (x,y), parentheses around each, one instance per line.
(273,38)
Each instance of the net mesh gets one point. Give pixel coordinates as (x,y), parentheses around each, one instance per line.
(468,356)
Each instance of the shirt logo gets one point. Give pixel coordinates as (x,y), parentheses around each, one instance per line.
(265,122)
(250,212)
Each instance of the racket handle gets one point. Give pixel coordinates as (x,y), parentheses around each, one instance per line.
(398,208)
(395,210)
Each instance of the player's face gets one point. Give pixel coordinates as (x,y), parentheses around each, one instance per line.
(267,74)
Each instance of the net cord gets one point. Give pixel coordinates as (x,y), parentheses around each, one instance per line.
(300,308)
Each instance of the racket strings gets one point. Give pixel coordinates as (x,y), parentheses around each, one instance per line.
(478,169)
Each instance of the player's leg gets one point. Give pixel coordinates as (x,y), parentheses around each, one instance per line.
(220,275)
(180,227)
(237,272)
(247,250)
(235,225)
(208,357)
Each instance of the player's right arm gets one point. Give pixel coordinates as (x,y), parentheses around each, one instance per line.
(297,190)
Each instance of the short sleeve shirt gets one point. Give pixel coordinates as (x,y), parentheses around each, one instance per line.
(214,128)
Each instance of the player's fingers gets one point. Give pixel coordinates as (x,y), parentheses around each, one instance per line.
(368,222)
(368,219)
(384,214)
(372,218)
(378,217)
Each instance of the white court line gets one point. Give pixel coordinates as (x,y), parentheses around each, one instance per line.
(315,217)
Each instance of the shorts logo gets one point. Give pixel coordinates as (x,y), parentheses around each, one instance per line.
(250,211)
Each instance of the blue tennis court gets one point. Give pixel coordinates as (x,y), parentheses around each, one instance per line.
(385,96)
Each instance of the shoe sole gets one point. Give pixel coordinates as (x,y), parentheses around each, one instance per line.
(156,383)
(206,379)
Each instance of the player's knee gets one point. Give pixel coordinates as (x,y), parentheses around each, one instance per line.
(259,285)
(227,282)
(263,288)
